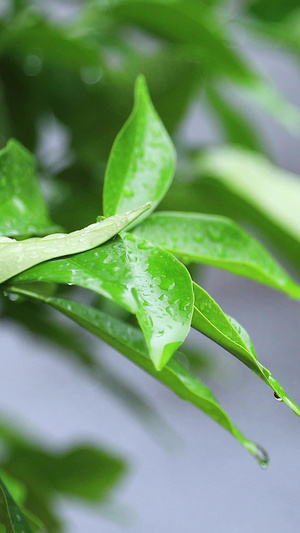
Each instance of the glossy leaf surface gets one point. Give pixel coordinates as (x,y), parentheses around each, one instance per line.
(210,320)
(22,209)
(17,256)
(216,241)
(10,514)
(142,160)
(104,269)
(139,276)
(164,293)
(130,342)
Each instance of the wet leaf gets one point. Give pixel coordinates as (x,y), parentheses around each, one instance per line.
(22,209)
(210,320)
(165,298)
(142,161)
(139,276)
(17,256)
(219,242)
(104,269)
(130,342)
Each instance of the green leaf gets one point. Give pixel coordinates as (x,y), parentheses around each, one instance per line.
(104,270)
(40,323)
(56,46)
(10,514)
(16,256)
(219,242)
(210,320)
(280,9)
(271,191)
(138,276)
(87,473)
(142,161)
(165,298)
(190,24)
(236,126)
(22,209)
(130,342)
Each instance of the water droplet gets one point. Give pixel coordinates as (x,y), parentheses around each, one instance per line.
(91,75)
(32,65)
(277,397)
(128,192)
(262,456)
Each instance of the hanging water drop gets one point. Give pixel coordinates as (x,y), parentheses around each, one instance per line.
(277,397)
(262,456)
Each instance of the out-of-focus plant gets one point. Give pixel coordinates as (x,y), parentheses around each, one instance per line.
(66,89)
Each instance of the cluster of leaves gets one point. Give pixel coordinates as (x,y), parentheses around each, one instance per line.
(79,76)
(133,258)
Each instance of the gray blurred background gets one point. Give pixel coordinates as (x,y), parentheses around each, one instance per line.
(195,477)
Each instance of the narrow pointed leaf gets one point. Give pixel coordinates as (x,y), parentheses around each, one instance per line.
(130,342)
(219,242)
(22,208)
(142,160)
(210,320)
(16,256)
(10,514)
(164,294)
(36,320)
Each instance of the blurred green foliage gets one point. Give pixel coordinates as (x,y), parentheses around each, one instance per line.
(66,86)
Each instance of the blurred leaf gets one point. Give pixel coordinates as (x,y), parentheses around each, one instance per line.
(270,191)
(17,256)
(23,210)
(130,342)
(275,13)
(10,514)
(41,324)
(189,23)
(209,319)
(142,160)
(84,472)
(237,128)
(35,40)
(219,242)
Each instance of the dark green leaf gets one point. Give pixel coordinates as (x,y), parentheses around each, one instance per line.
(22,208)
(10,514)
(219,242)
(83,472)
(237,128)
(130,342)
(70,343)
(210,320)
(142,161)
